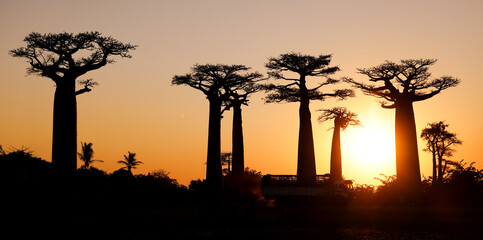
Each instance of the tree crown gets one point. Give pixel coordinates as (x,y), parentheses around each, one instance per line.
(58,55)
(409,80)
(439,140)
(216,80)
(130,161)
(341,116)
(296,89)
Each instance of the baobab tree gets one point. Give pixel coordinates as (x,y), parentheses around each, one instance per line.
(238,96)
(64,57)
(298,90)
(342,119)
(213,80)
(440,142)
(399,86)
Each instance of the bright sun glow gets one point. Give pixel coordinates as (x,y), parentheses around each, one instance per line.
(371,146)
(369,150)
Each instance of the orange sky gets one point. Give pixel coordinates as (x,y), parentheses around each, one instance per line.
(136,109)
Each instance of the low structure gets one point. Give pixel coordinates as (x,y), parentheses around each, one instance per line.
(286,186)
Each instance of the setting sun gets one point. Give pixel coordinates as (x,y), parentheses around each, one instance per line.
(369,149)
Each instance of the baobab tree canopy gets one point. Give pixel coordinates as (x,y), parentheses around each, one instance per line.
(64,54)
(296,89)
(342,117)
(399,85)
(212,79)
(408,80)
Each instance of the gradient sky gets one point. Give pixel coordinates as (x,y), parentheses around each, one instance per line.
(136,109)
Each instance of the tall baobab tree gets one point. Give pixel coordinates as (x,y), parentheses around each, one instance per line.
(238,96)
(130,162)
(64,57)
(86,155)
(342,119)
(440,142)
(298,90)
(399,86)
(213,80)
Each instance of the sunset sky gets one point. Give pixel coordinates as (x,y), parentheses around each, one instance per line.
(135,108)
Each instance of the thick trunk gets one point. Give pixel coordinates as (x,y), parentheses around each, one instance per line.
(238,158)
(435,176)
(407,159)
(441,168)
(306,156)
(64,137)
(214,177)
(336,155)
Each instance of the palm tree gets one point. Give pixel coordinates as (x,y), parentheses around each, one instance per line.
(130,162)
(342,119)
(86,155)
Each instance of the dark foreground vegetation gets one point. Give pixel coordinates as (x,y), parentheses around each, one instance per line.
(96,205)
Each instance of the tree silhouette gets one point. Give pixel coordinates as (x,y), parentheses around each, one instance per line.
(297,90)
(342,119)
(226,160)
(64,57)
(465,176)
(86,155)
(402,84)
(213,80)
(130,162)
(238,96)
(440,142)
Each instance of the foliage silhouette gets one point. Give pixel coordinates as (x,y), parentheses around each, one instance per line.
(298,90)
(213,81)
(154,201)
(62,58)
(130,162)
(342,119)
(22,165)
(244,189)
(86,155)
(440,142)
(226,160)
(403,84)
(2,152)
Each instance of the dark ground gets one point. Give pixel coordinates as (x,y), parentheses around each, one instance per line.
(116,220)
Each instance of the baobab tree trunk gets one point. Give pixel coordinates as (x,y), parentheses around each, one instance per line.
(64,137)
(407,159)
(306,157)
(336,155)
(238,158)
(435,177)
(214,177)
(441,168)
